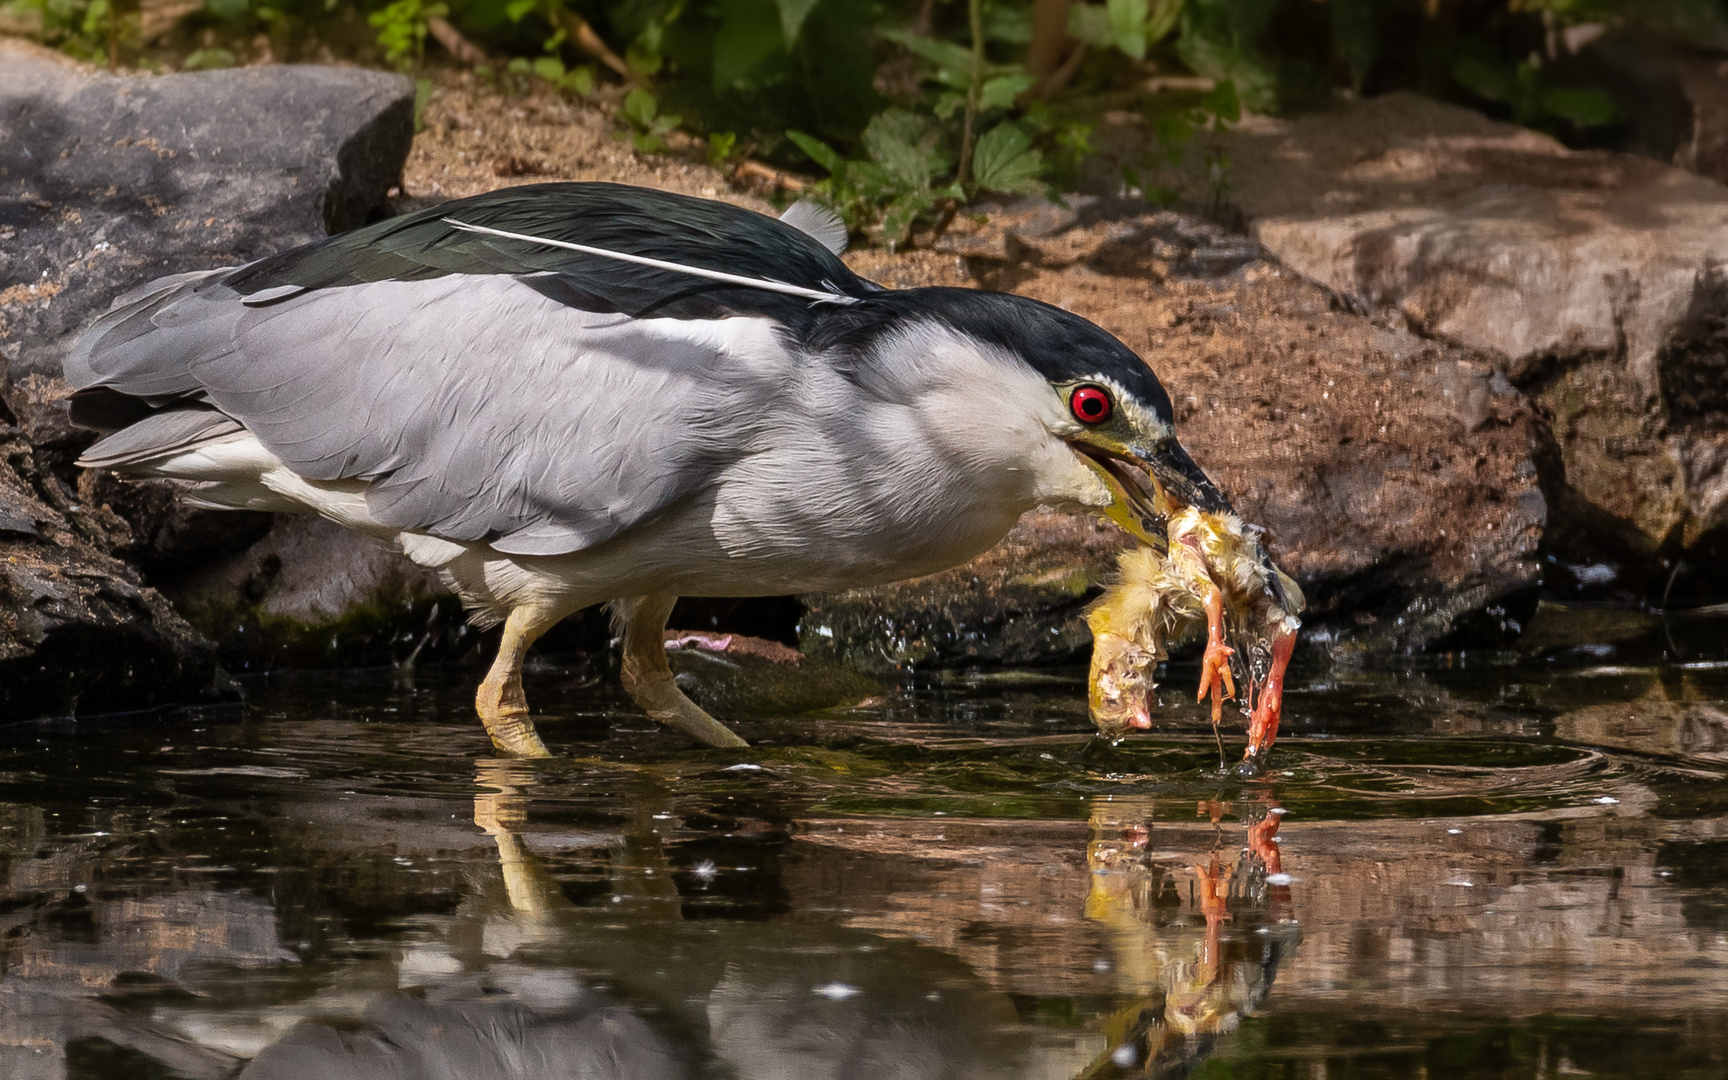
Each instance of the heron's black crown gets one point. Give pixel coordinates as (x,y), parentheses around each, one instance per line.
(1061,346)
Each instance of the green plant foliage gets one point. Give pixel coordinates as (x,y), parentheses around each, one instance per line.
(1356,35)
(1532,98)
(1128,26)
(1006,161)
(645,125)
(721,145)
(401,28)
(913,110)
(207,60)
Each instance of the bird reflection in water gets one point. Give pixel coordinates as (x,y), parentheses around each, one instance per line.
(524,1024)
(1196,944)
(628,988)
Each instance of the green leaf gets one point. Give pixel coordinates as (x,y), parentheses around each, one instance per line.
(640,107)
(792,16)
(891,139)
(1586,108)
(720,146)
(1008,24)
(897,219)
(1356,35)
(1128,26)
(208,60)
(1004,161)
(820,152)
(1000,92)
(1090,23)
(226,9)
(519,66)
(1163,19)
(422,98)
(750,32)
(1116,24)
(1482,77)
(549,68)
(578,80)
(517,10)
(944,54)
(1222,102)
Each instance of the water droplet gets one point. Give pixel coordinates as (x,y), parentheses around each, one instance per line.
(1125,1055)
(837,991)
(1281,879)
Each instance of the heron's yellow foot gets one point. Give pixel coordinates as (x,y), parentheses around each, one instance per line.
(1263,724)
(503,708)
(648,677)
(1215,677)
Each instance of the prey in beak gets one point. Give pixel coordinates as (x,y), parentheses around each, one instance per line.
(1198,565)
(1150,482)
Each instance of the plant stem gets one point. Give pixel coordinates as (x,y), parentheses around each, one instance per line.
(974,86)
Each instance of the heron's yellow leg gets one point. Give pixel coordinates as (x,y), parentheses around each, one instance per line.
(1215,665)
(502,706)
(648,677)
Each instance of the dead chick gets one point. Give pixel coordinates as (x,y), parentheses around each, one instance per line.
(1215,573)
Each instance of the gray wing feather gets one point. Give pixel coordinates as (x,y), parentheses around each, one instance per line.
(158,434)
(147,335)
(477,408)
(819,223)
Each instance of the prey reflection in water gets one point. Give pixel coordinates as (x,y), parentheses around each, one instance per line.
(563,394)
(1198,938)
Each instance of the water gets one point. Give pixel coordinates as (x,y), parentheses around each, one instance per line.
(1482,871)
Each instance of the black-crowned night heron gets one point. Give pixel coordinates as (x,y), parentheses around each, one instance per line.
(563,394)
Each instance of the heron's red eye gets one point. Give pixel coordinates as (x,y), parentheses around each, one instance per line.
(1091,405)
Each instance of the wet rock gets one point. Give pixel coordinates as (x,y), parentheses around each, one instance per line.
(107,182)
(740,683)
(79,631)
(1397,475)
(1655,723)
(1593,280)
(1018,603)
(313,594)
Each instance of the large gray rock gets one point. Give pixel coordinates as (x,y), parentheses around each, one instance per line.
(1595,281)
(107,182)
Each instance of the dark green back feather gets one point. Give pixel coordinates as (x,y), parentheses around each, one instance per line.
(637,221)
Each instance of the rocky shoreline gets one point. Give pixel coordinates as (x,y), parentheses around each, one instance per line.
(1449,365)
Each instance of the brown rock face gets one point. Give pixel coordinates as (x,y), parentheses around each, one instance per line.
(1397,475)
(1594,282)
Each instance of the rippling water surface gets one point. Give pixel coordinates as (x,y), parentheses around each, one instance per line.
(1477,871)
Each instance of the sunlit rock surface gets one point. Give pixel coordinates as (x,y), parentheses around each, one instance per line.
(1593,280)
